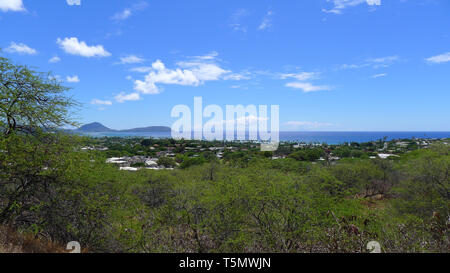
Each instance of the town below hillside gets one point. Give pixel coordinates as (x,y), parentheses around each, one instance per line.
(133,154)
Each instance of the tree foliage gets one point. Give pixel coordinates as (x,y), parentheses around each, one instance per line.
(30,100)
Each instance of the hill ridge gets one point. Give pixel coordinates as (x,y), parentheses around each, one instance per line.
(100,128)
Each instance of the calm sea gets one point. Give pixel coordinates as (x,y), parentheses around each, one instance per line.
(322,137)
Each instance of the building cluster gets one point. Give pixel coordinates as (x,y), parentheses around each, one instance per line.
(134,163)
(142,153)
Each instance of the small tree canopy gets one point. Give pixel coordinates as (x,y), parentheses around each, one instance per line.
(30,100)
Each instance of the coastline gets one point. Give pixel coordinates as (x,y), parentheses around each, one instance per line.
(332,137)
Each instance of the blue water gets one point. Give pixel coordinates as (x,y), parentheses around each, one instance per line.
(307,137)
(341,137)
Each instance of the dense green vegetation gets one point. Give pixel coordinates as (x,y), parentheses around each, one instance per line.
(246,201)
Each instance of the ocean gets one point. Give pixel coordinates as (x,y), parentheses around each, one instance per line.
(307,137)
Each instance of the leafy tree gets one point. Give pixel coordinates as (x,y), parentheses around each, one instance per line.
(30,100)
(147,142)
(192,161)
(138,165)
(343,151)
(426,185)
(307,155)
(167,162)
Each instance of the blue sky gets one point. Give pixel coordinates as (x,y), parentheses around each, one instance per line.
(331,65)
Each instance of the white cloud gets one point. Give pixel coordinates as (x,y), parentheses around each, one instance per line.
(379,75)
(193,72)
(131,59)
(122,97)
(373,2)
(72,79)
(301,83)
(302,76)
(383,61)
(128,12)
(308,87)
(374,62)
(20,48)
(307,124)
(210,56)
(142,69)
(353,66)
(267,21)
(55,59)
(80,48)
(236,20)
(443,58)
(74,2)
(11,5)
(122,15)
(335,11)
(101,102)
(339,5)
(238,76)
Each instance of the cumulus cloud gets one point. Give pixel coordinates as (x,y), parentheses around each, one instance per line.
(73,2)
(72,79)
(54,59)
(339,5)
(194,72)
(11,5)
(131,59)
(122,97)
(20,48)
(443,58)
(74,47)
(101,102)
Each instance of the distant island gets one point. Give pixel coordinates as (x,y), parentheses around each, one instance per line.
(97,127)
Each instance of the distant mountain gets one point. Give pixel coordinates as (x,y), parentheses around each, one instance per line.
(148,129)
(97,127)
(94,127)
